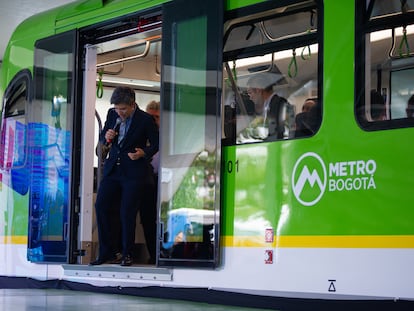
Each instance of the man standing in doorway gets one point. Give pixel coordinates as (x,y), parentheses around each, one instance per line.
(126,172)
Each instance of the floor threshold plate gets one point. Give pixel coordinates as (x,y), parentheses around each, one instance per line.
(118,272)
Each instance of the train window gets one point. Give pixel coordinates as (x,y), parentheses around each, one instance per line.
(385,64)
(13,134)
(271,74)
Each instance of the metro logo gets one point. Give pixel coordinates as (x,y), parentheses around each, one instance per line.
(309,179)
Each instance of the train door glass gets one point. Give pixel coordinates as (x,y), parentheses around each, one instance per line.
(190,133)
(14,183)
(272,74)
(50,123)
(385,62)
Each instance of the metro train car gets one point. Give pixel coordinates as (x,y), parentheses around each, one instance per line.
(259,204)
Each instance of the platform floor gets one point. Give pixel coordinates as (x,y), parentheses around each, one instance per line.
(68,300)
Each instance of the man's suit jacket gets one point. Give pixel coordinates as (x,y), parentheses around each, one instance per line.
(142,133)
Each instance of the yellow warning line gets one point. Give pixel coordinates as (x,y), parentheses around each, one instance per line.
(322,241)
(312,241)
(14,239)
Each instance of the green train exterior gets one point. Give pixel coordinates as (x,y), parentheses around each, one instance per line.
(325,215)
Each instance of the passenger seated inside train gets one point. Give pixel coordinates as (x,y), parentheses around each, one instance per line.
(272,118)
(305,119)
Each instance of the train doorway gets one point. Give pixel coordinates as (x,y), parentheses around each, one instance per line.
(153,52)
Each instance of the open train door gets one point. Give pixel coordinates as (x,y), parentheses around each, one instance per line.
(190,133)
(50,141)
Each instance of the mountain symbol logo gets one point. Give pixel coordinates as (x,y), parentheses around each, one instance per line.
(309,179)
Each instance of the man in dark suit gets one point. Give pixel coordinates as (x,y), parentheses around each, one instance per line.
(133,135)
(272,111)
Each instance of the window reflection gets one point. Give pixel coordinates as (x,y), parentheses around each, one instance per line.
(264,93)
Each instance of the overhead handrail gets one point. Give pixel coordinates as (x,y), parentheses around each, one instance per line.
(99,86)
(404,44)
(114,73)
(157,71)
(234,71)
(403,47)
(126,59)
(307,48)
(404,41)
(268,69)
(309,31)
(293,65)
(281,38)
(303,54)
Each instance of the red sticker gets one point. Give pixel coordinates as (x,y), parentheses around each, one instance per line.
(268,256)
(269,235)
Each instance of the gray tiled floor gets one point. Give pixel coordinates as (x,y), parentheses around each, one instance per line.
(65,300)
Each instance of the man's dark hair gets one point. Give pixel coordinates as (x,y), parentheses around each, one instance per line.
(123,95)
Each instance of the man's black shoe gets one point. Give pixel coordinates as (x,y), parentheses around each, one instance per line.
(126,261)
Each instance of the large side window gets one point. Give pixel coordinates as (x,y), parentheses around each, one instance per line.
(385,64)
(13,133)
(13,150)
(14,171)
(50,125)
(271,77)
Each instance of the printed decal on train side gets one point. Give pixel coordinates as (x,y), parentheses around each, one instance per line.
(311,177)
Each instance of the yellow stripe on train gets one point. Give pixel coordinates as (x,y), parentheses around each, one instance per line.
(14,239)
(314,241)
(323,241)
